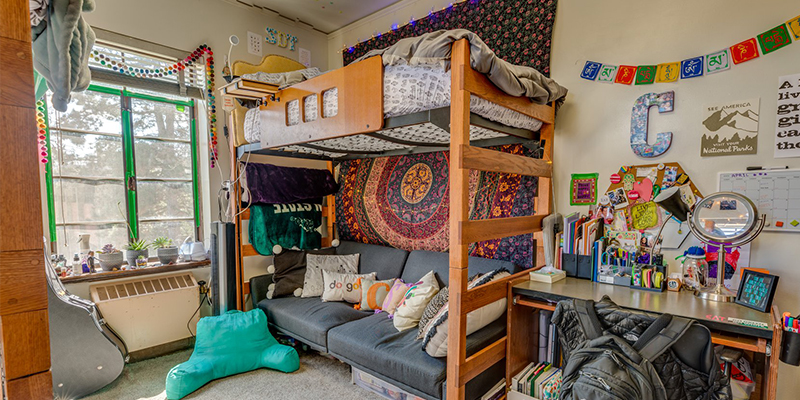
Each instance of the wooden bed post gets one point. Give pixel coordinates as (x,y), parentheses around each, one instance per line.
(544,196)
(24,326)
(234,205)
(459,212)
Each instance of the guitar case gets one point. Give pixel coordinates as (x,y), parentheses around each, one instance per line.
(85,353)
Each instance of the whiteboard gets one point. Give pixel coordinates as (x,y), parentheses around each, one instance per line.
(776,193)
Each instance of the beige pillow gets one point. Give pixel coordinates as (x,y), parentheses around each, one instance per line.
(413,304)
(373,293)
(343,287)
(315,264)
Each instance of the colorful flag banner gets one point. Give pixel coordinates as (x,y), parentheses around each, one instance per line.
(744,51)
(692,67)
(591,70)
(718,61)
(774,39)
(625,74)
(668,72)
(794,27)
(646,74)
(607,73)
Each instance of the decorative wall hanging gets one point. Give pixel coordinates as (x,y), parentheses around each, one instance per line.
(279,38)
(730,128)
(639,125)
(200,53)
(403,202)
(787,127)
(583,189)
(718,61)
(43,130)
(517,31)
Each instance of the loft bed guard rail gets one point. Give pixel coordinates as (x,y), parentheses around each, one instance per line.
(360,112)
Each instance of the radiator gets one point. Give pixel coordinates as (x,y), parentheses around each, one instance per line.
(148,312)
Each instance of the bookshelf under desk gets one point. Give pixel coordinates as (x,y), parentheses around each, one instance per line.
(757,334)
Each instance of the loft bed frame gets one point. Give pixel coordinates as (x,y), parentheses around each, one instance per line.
(360,112)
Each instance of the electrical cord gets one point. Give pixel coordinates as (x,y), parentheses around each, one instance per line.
(205,299)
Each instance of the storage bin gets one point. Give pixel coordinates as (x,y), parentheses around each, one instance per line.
(790,348)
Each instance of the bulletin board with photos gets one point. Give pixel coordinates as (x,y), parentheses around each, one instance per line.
(628,208)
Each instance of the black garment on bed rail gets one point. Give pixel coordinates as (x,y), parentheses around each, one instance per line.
(271,184)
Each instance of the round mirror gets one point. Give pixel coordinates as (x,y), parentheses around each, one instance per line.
(725,217)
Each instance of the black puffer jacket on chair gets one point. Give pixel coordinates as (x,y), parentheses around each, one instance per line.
(689,370)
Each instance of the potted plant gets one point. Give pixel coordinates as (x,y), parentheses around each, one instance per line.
(110,258)
(167,253)
(136,249)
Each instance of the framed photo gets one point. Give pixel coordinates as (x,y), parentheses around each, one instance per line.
(756,290)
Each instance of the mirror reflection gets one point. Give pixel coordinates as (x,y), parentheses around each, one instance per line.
(724,216)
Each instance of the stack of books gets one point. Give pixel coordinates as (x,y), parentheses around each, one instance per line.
(496,392)
(539,381)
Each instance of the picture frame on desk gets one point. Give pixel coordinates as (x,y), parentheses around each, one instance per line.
(756,290)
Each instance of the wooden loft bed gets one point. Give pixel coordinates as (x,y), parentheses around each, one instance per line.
(360,113)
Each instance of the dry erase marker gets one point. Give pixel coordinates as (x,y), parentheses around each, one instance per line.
(757,168)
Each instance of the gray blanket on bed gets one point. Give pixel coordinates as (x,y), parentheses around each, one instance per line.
(435,48)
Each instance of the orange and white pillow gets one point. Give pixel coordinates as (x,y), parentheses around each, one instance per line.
(373,294)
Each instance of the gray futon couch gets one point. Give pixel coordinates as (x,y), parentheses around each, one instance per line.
(369,341)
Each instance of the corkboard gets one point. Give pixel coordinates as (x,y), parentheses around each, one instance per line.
(633,169)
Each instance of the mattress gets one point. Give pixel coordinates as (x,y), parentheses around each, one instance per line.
(406,90)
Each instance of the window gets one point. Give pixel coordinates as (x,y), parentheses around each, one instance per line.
(122,155)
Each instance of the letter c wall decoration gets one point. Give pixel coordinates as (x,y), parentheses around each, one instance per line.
(639,116)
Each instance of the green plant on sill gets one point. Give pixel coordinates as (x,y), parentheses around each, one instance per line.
(162,242)
(137,245)
(108,249)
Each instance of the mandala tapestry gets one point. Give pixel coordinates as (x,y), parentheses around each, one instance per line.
(518,31)
(403,202)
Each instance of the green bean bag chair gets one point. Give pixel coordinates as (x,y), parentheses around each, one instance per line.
(226,345)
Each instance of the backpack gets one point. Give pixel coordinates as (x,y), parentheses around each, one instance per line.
(632,355)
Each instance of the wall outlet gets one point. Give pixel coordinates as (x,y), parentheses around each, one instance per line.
(254,42)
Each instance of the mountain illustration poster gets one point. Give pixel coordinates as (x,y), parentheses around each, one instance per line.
(730,128)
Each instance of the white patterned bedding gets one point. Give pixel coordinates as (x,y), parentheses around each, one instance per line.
(406,90)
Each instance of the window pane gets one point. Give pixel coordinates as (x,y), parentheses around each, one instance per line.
(175,230)
(157,159)
(116,234)
(89,111)
(87,155)
(88,201)
(162,120)
(165,200)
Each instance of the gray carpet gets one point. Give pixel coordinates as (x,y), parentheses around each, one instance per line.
(318,378)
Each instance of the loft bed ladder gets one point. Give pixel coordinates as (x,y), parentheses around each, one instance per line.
(463,158)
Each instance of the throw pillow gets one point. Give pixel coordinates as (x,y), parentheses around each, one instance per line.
(435,341)
(312,283)
(290,270)
(373,293)
(433,307)
(410,309)
(394,296)
(343,287)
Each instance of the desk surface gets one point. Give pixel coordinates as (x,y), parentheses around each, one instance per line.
(712,314)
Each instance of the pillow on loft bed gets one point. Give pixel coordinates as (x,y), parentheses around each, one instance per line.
(435,336)
(283,79)
(289,270)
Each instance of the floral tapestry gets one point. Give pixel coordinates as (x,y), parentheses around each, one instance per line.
(518,31)
(403,202)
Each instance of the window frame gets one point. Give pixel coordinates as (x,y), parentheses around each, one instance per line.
(129,162)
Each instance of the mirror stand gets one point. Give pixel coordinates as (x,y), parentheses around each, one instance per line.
(719,292)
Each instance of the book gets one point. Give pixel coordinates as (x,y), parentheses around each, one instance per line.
(538,390)
(547,277)
(552,387)
(497,391)
(544,333)
(518,377)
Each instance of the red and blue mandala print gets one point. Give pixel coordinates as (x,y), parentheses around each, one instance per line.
(518,31)
(403,202)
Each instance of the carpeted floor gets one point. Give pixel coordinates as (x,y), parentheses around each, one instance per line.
(318,378)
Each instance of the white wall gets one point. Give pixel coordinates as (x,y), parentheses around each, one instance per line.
(593,127)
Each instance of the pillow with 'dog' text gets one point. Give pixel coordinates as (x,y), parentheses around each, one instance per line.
(343,287)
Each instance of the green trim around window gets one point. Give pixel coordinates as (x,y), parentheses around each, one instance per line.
(104,89)
(142,96)
(130,168)
(194,169)
(48,178)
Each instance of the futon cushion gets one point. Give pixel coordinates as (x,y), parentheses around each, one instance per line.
(290,270)
(373,344)
(313,283)
(421,261)
(308,319)
(387,262)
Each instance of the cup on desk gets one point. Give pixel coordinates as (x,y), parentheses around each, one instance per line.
(790,348)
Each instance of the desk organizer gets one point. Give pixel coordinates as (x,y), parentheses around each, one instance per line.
(577,266)
(627,281)
(790,348)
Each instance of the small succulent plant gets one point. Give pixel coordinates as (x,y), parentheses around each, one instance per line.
(138,245)
(108,249)
(162,242)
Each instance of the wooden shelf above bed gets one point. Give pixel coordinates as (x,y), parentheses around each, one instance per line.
(248,89)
